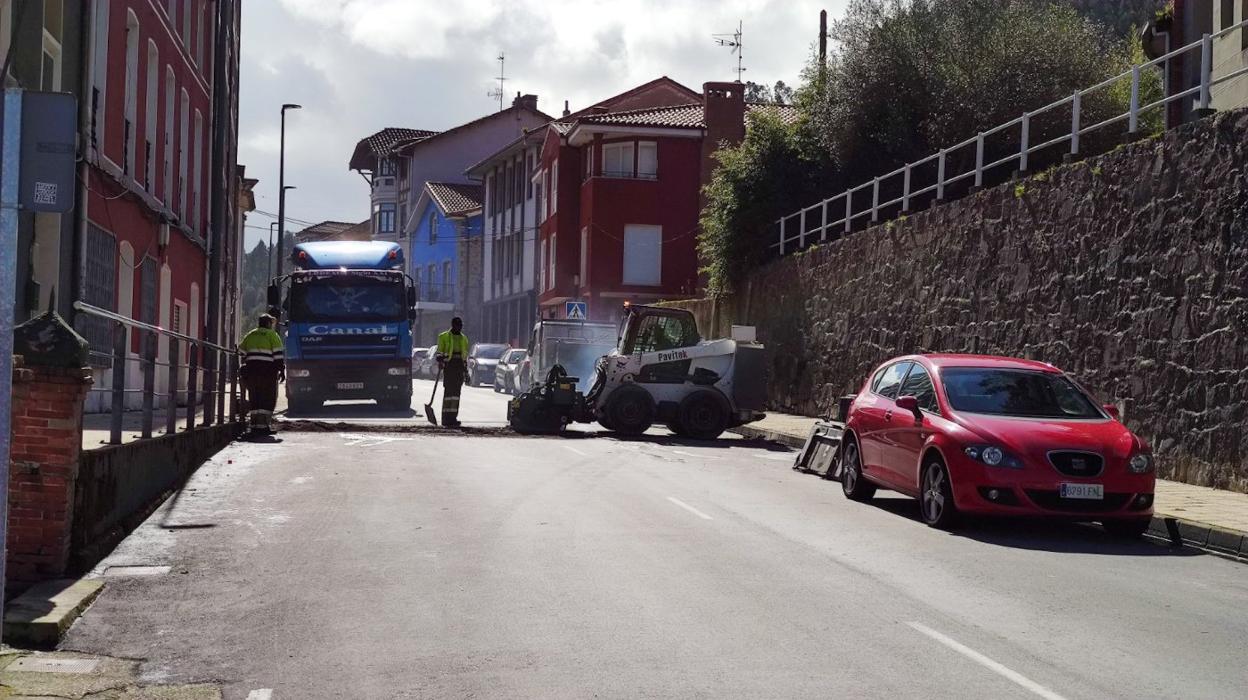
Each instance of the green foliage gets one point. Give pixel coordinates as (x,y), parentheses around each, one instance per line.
(769,174)
(254,284)
(1020,190)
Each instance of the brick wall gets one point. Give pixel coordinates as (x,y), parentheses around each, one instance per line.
(1129,270)
(47,440)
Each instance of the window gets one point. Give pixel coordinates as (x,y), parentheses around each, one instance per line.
(170,87)
(6,29)
(197,161)
(433,228)
(50,73)
(541,284)
(554,188)
(385,167)
(890,382)
(183,152)
(188,8)
(919,385)
(448,280)
(199,37)
(648,160)
(584,278)
(550,279)
(149,285)
(662,333)
(172,8)
(643,255)
(99,71)
(402,221)
(507,186)
(385,218)
(132,89)
(528,176)
(587,155)
(617,159)
(1228,14)
(100,288)
(539,214)
(151,103)
(431,272)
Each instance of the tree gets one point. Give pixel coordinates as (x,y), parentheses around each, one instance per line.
(1121,16)
(782,94)
(756,93)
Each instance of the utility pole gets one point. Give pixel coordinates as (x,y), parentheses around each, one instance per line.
(281,192)
(738,46)
(499,92)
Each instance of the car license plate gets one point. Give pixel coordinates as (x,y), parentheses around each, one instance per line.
(347,386)
(1087,492)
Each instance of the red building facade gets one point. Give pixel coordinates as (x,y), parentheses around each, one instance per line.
(620,219)
(148,172)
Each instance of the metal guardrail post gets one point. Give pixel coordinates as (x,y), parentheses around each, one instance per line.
(875,201)
(979,160)
(940,176)
(192,382)
(232,360)
(905,190)
(120,338)
(801,237)
(1076,106)
(782,235)
(1025,151)
(849,211)
(1206,70)
(149,381)
(823,227)
(1133,114)
(208,386)
(171,412)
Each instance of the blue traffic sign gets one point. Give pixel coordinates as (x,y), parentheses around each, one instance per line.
(576,310)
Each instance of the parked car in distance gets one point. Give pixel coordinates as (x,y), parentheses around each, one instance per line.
(429,365)
(418,357)
(482,359)
(995,436)
(505,373)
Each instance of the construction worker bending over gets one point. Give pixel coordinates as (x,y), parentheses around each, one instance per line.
(264,365)
(453,362)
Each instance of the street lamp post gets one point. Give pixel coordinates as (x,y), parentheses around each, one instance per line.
(272,225)
(281,195)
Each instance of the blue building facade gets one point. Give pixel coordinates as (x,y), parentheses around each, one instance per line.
(445,258)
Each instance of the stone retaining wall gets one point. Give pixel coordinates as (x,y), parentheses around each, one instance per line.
(1129,270)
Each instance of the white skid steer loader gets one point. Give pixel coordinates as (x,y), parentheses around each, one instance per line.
(660,371)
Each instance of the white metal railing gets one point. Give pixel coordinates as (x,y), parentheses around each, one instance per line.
(805,230)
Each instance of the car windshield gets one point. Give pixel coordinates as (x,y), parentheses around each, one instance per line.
(489,352)
(347,297)
(514,356)
(1019,393)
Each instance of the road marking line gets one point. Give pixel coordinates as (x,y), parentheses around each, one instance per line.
(262,694)
(690,508)
(986,662)
(573,449)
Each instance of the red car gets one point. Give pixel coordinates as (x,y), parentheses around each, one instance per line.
(995,436)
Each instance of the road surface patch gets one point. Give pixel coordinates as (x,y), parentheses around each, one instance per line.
(136,570)
(1000,669)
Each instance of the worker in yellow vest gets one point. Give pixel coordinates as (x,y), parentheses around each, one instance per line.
(453,363)
(264,365)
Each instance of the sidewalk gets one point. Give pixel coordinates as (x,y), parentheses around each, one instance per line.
(96,427)
(1194,515)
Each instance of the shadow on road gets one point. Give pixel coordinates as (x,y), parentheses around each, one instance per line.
(1042,535)
(347,411)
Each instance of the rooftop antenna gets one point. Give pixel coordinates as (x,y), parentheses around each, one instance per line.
(499,92)
(733,40)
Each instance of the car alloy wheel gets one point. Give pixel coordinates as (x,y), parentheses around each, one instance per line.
(853,485)
(936,499)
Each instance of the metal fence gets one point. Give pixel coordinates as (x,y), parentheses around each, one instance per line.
(814,225)
(211,375)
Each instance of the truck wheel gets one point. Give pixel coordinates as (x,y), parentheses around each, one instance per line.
(702,415)
(631,411)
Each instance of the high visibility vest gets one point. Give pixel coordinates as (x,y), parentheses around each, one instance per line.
(453,345)
(262,345)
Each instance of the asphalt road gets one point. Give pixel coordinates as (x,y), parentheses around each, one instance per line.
(373,565)
(478,406)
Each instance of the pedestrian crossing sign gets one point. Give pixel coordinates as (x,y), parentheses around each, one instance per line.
(576,310)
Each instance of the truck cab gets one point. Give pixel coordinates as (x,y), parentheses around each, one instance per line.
(347,316)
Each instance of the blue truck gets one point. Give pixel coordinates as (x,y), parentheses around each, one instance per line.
(347,313)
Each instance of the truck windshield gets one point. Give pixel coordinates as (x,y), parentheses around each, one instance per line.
(347,297)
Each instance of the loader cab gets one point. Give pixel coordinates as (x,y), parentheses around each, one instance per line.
(652,329)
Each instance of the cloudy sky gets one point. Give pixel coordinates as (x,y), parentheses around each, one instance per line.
(357,66)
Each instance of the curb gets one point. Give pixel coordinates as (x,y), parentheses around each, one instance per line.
(43,613)
(1176,531)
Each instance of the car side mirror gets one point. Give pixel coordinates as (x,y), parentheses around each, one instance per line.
(1112,410)
(275,296)
(908,403)
(411,297)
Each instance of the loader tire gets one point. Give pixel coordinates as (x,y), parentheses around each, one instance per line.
(702,415)
(631,411)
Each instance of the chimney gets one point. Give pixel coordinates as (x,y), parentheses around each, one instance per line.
(566,111)
(526,101)
(723,111)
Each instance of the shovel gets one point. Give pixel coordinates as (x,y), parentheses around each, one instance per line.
(429,414)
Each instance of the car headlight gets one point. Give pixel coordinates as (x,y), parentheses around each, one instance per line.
(993,456)
(298,373)
(398,371)
(1141,463)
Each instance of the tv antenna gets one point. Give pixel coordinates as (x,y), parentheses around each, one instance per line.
(499,92)
(733,40)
